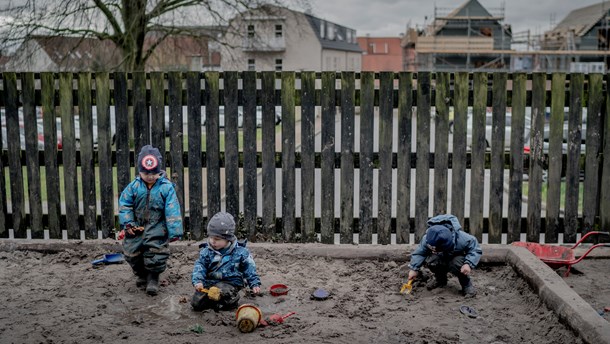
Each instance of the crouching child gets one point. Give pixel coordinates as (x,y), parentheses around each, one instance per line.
(223,266)
(446,248)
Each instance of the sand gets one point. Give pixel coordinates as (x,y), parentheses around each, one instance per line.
(59,297)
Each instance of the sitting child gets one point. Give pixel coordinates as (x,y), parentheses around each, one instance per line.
(223,264)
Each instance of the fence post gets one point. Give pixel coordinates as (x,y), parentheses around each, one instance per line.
(308,122)
(327,174)
(403,173)
(477,168)
(193,91)
(422,177)
(384,196)
(288,160)
(515,186)
(458,162)
(69,154)
(441,138)
(30,128)
(104,146)
(268,153)
(573,158)
(496,187)
(536,162)
(250,157)
(367,116)
(50,153)
(86,154)
(593,153)
(212,138)
(231,143)
(347,157)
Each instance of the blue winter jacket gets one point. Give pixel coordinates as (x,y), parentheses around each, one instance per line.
(157,209)
(464,243)
(230,265)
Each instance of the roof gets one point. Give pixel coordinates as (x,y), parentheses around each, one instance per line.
(80,53)
(581,20)
(471,8)
(340,36)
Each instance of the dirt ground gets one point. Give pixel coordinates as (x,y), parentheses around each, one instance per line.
(59,297)
(589,278)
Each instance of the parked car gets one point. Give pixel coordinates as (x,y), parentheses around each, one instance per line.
(583,127)
(221,116)
(489,129)
(40,130)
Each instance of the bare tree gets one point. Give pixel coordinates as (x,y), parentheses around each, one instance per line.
(126,23)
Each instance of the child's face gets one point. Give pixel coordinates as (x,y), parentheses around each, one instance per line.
(149,178)
(218,243)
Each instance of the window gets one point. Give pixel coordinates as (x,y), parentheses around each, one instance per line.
(278,65)
(322,29)
(278,30)
(251,64)
(372,48)
(250,31)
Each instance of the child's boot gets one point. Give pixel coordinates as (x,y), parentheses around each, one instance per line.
(467,287)
(439,281)
(142,280)
(152,287)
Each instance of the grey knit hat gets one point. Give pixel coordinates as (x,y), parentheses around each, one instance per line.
(222,225)
(150,160)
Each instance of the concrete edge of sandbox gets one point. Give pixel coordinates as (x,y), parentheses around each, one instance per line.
(558,296)
(551,288)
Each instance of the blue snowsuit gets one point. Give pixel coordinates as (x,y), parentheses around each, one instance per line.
(225,269)
(156,209)
(466,250)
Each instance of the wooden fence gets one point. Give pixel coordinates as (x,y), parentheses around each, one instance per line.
(80,179)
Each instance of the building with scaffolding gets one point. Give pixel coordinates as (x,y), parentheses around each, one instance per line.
(466,38)
(579,43)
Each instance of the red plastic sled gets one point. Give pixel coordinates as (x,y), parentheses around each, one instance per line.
(557,256)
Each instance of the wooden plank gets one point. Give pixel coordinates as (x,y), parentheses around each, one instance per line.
(496,183)
(573,158)
(515,183)
(422,169)
(124,173)
(553,194)
(68,135)
(288,158)
(231,149)
(459,130)
(141,128)
(50,153)
(4,225)
(384,219)
(327,174)
(593,153)
(537,160)
(308,123)
(104,147)
(212,137)
(176,135)
(441,139)
(367,116)
(477,168)
(403,169)
(30,128)
(13,140)
(193,91)
(604,202)
(86,154)
(157,112)
(348,88)
(250,171)
(268,153)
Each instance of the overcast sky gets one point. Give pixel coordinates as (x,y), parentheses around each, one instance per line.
(390,17)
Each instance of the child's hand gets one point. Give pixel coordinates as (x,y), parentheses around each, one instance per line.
(412,275)
(465,269)
(256,290)
(198,286)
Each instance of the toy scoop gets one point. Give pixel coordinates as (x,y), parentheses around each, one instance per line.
(276,319)
(213,293)
(408,287)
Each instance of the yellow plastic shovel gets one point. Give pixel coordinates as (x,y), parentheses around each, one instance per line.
(408,287)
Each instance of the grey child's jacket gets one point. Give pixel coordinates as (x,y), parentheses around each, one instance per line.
(464,243)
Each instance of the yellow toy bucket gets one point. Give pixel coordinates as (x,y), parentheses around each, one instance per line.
(248,317)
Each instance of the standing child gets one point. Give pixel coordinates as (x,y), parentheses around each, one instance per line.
(222,266)
(149,213)
(446,248)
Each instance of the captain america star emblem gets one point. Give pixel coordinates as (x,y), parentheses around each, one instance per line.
(150,162)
